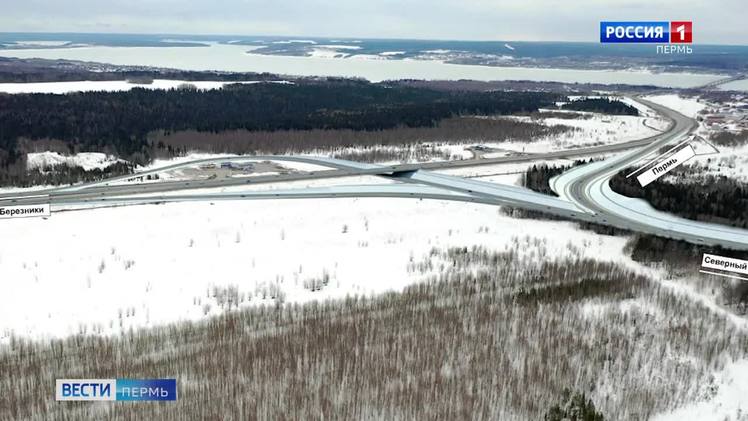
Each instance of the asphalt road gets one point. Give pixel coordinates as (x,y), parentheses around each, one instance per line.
(584,198)
(588,187)
(109,187)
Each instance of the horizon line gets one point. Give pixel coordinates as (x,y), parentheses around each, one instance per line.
(328,37)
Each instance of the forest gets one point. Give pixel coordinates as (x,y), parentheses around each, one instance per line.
(645,248)
(508,338)
(15,70)
(601,105)
(708,198)
(730,139)
(452,130)
(63,174)
(537,177)
(119,123)
(682,260)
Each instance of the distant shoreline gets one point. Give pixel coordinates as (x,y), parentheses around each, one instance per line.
(235,58)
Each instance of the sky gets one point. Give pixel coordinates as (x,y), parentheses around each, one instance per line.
(715,21)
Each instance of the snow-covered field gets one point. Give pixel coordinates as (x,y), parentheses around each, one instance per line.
(598,129)
(111,269)
(327,53)
(86,160)
(594,129)
(504,173)
(729,400)
(140,266)
(153,264)
(687,106)
(731,162)
(185,171)
(108,86)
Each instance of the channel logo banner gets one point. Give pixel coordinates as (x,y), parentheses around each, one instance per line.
(116,390)
(85,389)
(147,390)
(656,32)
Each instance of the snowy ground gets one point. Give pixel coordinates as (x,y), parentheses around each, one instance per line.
(9,190)
(149,265)
(108,86)
(729,401)
(595,129)
(157,264)
(687,106)
(161,263)
(86,160)
(731,162)
(140,266)
(504,173)
(289,185)
(598,129)
(193,172)
(326,53)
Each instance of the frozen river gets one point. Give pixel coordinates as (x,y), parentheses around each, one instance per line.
(239,58)
(738,85)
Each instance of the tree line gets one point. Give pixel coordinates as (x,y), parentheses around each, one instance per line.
(708,198)
(14,70)
(119,123)
(453,130)
(730,139)
(459,345)
(601,105)
(19,176)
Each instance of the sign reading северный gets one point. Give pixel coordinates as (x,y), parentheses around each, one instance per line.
(728,264)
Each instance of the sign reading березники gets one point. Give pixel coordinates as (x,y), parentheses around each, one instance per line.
(24,211)
(116,390)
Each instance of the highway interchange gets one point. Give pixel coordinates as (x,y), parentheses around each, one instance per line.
(584,191)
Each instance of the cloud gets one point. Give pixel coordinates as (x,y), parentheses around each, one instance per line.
(564,20)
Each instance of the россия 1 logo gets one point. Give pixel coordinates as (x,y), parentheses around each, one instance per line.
(650,32)
(681,32)
(660,32)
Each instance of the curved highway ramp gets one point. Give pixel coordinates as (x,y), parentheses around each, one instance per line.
(584,191)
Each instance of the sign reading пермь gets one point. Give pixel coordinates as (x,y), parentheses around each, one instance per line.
(666,165)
